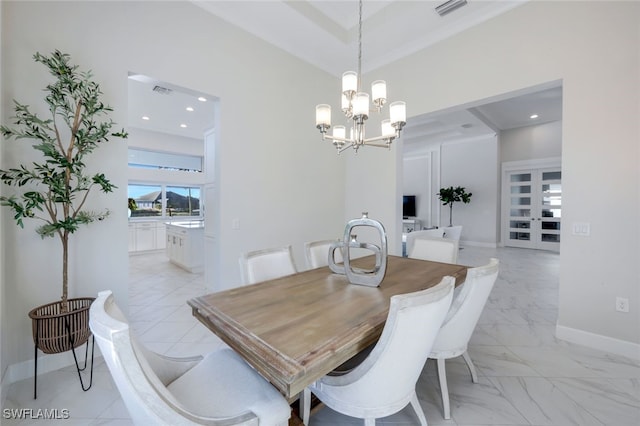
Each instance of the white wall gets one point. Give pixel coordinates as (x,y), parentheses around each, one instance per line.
(281,181)
(593,47)
(373,186)
(474,166)
(417,181)
(526,143)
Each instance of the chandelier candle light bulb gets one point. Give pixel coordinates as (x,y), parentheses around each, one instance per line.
(349,84)
(339,133)
(323,117)
(355,106)
(379,93)
(361,105)
(398,114)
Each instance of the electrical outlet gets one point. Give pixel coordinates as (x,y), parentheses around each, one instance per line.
(622,304)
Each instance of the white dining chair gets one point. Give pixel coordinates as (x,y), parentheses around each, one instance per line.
(425,233)
(461,320)
(453,232)
(385,382)
(435,249)
(267,264)
(217,389)
(317,253)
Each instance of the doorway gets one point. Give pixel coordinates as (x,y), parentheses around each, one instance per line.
(532,204)
(471,142)
(166,174)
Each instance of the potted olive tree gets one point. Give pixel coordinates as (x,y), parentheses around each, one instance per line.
(54,191)
(451,195)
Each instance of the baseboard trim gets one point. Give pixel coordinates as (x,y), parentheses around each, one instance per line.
(598,341)
(477,244)
(46,363)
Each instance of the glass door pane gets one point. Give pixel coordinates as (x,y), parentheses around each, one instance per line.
(550,209)
(520,209)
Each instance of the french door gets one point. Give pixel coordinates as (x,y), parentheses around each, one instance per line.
(532,208)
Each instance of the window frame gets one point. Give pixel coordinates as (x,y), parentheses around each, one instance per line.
(163,200)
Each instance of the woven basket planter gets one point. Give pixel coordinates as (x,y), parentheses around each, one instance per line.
(55,331)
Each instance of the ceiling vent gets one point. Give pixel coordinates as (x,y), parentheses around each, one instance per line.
(162,90)
(450,6)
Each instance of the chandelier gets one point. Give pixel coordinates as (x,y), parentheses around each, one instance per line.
(355,106)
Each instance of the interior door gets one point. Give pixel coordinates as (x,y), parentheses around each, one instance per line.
(550,209)
(533,208)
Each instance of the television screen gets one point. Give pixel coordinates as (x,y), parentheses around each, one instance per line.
(408,205)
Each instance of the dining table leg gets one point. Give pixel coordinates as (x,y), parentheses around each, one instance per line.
(305,405)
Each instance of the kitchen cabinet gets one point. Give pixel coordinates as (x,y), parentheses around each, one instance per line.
(146,235)
(185,245)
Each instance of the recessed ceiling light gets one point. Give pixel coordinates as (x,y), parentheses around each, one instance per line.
(202,99)
(533,116)
(184,126)
(144,117)
(190,109)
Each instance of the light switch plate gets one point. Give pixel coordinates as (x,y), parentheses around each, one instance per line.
(582,228)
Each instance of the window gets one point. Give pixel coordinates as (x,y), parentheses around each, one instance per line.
(164,201)
(148,159)
(183,201)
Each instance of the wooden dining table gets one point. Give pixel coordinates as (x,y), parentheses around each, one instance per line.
(295,329)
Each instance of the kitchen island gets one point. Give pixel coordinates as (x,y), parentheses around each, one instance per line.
(185,244)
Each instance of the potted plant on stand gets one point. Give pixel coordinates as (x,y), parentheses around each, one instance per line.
(451,195)
(54,191)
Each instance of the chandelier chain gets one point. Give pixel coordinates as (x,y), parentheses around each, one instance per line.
(360,47)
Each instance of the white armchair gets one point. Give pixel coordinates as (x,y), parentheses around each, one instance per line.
(460,322)
(218,389)
(266,264)
(384,383)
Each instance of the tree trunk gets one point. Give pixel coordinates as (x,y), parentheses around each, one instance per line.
(65,269)
(451,214)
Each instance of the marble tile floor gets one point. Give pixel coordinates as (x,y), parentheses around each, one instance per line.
(526,375)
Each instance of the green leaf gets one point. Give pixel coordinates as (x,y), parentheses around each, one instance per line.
(59,182)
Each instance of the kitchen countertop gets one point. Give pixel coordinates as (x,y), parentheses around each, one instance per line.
(195,224)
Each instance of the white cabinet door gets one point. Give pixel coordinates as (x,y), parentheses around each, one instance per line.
(132,237)
(175,247)
(145,236)
(161,236)
(532,208)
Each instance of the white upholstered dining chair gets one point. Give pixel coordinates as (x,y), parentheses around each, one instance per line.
(317,253)
(458,326)
(453,232)
(217,389)
(435,249)
(385,382)
(425,233)
(266,264)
